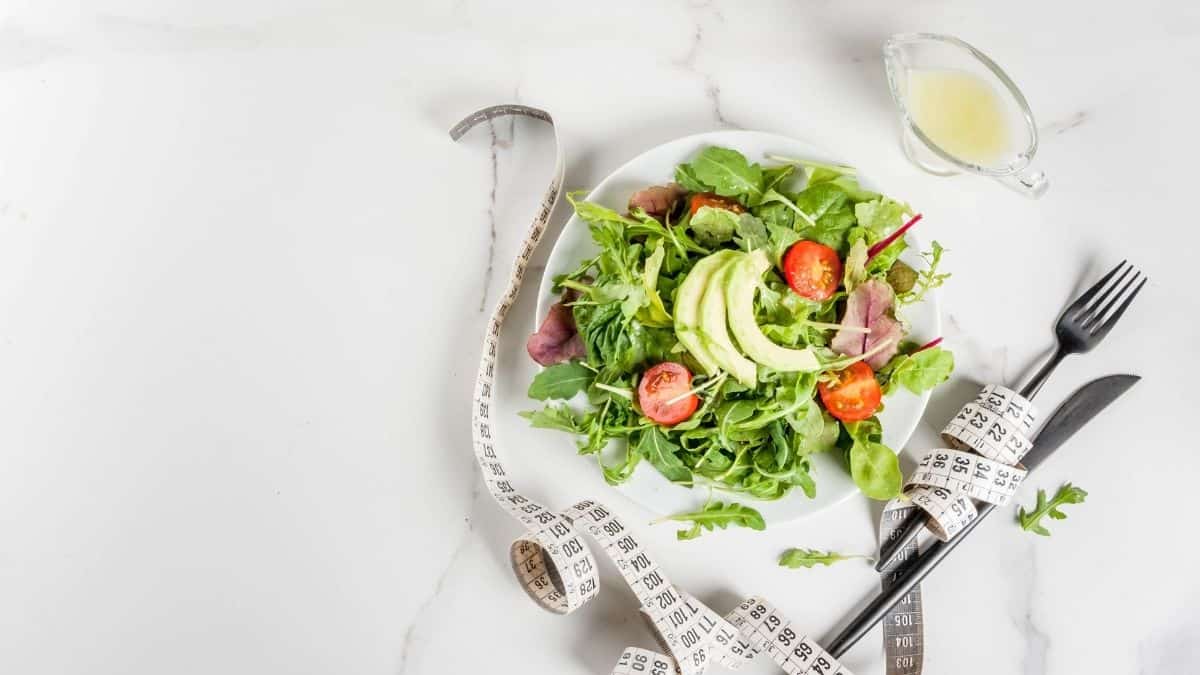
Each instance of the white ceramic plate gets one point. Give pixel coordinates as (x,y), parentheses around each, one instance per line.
(656,166)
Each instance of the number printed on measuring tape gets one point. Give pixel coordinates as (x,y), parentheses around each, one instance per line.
(1009,404)
(988,433)
(989,437)
(963,472)
(554,564)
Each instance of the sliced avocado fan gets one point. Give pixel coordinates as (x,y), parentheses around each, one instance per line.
(715,331)
(687,309)
(741,281)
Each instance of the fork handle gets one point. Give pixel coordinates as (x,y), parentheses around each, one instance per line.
(1035,384)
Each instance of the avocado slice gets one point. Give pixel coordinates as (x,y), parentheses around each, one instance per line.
(715,330)
(741,280)
(687,309)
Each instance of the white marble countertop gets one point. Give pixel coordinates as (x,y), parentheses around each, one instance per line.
(243,275)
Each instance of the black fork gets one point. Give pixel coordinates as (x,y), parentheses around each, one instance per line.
(1082,325)
(1086,321)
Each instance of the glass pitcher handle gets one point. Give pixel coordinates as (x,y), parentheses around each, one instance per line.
(1030,181)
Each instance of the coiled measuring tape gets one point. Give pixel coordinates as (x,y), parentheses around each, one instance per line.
(556,567)
(988,437)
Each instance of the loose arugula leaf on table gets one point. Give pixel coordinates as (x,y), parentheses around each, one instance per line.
(1067,494)
(561,381)
(921,371)
(714,515)
(796,558)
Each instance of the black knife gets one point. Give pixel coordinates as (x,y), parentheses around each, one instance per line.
(1070,417)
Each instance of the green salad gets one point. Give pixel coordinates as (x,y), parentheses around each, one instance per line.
(734,323)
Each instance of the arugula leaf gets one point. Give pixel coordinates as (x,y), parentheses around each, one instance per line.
(654,313)
(688,180)
(928,278)
(561,381)
(714,515)
(833,229)
(855,266)
(1067,494)
(796,558)
(619,473)
(557,417)
(714,226)
(922,371)
(659,450)
(728,173)
(881,216)
(751,233)
(873,465)
(594,213)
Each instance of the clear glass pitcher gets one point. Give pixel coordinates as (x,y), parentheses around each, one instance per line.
(922,71)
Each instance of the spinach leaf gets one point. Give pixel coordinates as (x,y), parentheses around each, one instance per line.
(561,381)
(873,465)
(654,445)
(728,173)
(1032,521)
(921,371)
(796,558)
(688,180)
(821,199)
(714,515)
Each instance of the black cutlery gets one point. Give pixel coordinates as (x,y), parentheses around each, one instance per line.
(1082,325)
(1080,408)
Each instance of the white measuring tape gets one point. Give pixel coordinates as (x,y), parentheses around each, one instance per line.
(989,437)
(555,565)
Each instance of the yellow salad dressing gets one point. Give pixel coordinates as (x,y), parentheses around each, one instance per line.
(960,112)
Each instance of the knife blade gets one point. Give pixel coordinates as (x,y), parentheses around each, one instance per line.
(1070,417)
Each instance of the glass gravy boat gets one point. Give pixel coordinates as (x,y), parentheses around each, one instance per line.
(910,57)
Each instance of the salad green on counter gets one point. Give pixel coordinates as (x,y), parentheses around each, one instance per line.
(734,323)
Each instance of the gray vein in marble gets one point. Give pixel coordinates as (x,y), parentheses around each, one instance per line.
(493,149)
(1066,124)
(1037,642)
(421,617)
(1171,651)
(712,89)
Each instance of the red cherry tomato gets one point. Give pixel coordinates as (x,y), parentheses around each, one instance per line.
(715,201)
(660,392)
(854,395)
(812,270)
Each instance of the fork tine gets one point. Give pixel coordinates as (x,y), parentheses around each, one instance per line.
(1081,301)
(1112,320)
(1092,312)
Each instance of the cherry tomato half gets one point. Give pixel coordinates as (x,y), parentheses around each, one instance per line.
(854,395)
(812,270)
(715,201)
(660,390)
